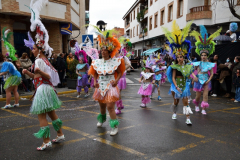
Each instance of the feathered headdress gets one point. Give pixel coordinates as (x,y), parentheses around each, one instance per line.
(150,62)
(178,44)
(233,27)
(42,36)
(204,43)
(126,43)
(107,40)
(29,43)
(10,49)
(81,54)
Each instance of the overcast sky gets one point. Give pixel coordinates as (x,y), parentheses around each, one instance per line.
(110,11)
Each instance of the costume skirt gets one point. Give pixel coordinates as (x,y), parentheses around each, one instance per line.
(145,92)
(83,81)
(122,84)
(45,100)
(237,95)
(184,87)
(198,87)
(112,95)
(12,81)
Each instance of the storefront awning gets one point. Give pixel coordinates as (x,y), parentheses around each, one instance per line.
(150,51)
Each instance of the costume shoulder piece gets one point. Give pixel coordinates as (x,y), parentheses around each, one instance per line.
(106,67)
(147,75)
(81,66)
(204,66)
(186,70)
(44,65)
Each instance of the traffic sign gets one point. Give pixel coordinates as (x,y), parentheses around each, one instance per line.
(87,38)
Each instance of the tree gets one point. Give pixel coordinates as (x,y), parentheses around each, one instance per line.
(233,6)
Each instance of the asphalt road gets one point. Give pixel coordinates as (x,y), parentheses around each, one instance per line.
(143,133)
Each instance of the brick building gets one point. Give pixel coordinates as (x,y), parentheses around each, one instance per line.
(16,16)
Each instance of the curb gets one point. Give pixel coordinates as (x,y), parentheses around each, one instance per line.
(29,96)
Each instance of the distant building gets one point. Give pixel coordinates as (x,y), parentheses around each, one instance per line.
(159,13)
(120,30)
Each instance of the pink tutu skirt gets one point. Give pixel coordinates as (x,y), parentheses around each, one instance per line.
(112,95)
(92,83)
(147,91)
(198,87)
(122,84)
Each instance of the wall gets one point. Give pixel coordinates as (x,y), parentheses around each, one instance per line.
(75,18)
(75,5)
(52,9)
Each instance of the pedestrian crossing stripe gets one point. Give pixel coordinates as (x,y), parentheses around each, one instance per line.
(129,81)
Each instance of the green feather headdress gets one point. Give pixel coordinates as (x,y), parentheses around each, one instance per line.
(11,50)
(205,43)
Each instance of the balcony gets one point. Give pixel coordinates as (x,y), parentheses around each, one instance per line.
(127,26)
(141,35)
(200,12)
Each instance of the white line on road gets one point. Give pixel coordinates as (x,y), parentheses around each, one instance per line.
(129,81)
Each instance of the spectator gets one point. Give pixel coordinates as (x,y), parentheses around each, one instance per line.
(26,64)
(31,57)
(226,75)
(53,60)
(236,83)
(215,81)
(216,58)
(236,65)
(229,63)
(70,59)
(61,68)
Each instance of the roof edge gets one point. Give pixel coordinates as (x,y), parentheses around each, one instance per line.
(131,8)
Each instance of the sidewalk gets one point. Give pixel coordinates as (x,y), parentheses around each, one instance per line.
(27,95)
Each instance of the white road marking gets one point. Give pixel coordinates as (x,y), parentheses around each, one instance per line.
(129,81)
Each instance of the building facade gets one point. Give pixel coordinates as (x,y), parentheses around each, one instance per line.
(150,15)
(16,16)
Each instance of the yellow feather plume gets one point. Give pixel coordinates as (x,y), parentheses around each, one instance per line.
(176,31)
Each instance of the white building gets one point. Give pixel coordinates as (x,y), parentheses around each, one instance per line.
(159,13)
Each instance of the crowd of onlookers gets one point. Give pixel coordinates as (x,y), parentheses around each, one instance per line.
(60,62)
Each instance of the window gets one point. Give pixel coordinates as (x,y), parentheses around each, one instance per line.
(134,14)
(156,20)
(151,2)
(133,31)
(179,8)
(162,19)
(131,17)
(137,29)
(150,23)
(137,10)
(170,12)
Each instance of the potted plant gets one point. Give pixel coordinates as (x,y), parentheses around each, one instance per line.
(145,30)
(72,76)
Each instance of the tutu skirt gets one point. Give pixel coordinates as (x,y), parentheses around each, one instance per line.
(12,81)
(122,84)
(112,95)
(198,87)
(45,100)
(147,91)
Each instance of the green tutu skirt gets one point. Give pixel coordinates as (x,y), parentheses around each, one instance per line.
(45,100)
(12,81)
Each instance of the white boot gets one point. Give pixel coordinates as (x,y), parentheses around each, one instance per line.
(114,131)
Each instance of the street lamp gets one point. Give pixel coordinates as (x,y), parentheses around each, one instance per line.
(102,25)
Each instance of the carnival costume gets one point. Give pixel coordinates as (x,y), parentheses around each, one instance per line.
(106,71)
(146,88)
(122,83)
(179,46)
(45,98)
(82,80)
(13,77)
(205,45)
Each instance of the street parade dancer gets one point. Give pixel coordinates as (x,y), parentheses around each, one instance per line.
(122,84)
(147,79)
(81,71)
(179,71)
(108,71)
(205,46)
(9,68)
(45,99)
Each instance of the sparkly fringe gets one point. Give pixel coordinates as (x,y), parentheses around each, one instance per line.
(12,81)
(113,123)
(44,132)
(57,124)
(101,118)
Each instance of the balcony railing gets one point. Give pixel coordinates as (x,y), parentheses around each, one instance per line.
(200,8)
(127,26)
(140,35)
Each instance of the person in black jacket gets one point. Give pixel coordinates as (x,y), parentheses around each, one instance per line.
(236,83)
(61,66)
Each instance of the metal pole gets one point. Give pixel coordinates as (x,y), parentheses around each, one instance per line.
(143,41)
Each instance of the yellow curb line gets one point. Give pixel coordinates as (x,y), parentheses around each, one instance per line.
(29,96)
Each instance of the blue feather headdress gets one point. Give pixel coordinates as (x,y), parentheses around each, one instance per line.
(233,27)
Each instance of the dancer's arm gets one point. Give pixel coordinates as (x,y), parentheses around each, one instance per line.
(211,76)
(95,76)
(43,74)
(3,73)
(30,74)
(114,84)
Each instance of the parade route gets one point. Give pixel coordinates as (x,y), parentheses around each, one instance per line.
(148,133)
